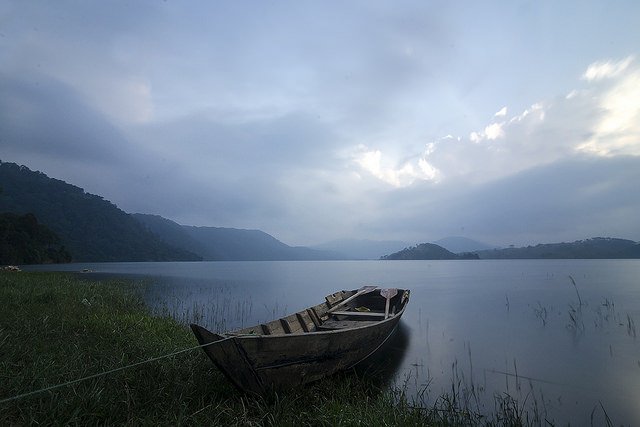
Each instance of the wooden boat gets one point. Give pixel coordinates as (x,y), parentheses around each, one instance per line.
(308,345)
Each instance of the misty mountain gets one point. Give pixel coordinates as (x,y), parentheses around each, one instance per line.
(426,251)
(457,244)
(89,227)
(362,249)
(229,244)
(173,233)
(595,248)
(94,229)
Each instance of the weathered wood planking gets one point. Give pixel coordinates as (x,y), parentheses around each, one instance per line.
(304,346)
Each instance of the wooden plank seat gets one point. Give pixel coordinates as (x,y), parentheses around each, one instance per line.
(358,313)
(330,325)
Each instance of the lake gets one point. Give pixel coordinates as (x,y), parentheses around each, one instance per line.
(560,336)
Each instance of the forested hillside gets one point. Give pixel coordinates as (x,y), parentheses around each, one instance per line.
(427,251)
(171,232)
(24,241)
(229,244)
(90,228)
(598,247)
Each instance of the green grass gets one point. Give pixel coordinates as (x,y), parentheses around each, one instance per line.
(56,328)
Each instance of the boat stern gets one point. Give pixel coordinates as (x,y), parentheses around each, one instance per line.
(230,359)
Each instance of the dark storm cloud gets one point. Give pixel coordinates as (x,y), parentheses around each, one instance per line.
(43,116)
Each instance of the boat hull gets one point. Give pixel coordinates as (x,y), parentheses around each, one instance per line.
(260,364)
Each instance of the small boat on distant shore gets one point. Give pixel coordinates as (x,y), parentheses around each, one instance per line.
(308,345)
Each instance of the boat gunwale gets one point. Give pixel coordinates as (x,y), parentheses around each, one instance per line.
(396,316)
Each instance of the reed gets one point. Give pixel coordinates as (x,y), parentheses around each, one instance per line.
(577,293)
(576,323)
(631,327)
(541,313)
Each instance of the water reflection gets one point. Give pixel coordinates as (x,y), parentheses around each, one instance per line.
(383,366)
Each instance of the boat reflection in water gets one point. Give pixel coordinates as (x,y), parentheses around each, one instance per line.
(382,367)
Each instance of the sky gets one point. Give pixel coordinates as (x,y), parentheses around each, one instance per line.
(507,122)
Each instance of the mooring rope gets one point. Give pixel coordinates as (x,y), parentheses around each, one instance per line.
(100,374)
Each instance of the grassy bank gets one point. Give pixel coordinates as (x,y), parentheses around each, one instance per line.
(56,328)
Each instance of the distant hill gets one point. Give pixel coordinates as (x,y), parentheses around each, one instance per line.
(458,244)
(24,241)
(596,248)
(426,251)
(173,233)
(90,228)
(229,244)
(362,249)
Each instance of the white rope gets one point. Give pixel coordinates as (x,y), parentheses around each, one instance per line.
(122,368)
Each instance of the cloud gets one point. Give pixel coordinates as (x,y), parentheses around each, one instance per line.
(491,132)
(537,172)
(403,175)
(78,47)
(49,118)
(606,69)
(617,129)
(599,119)
(494,131)
(537,108)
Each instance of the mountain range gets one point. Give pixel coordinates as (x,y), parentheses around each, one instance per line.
(595,248)
(229,244)
(93,229)
(89,227)
(427,251)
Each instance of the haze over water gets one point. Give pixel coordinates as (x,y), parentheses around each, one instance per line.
(487,327)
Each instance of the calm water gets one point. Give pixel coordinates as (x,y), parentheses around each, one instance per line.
(485,327)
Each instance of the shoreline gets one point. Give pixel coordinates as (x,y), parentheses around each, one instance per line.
(60,327)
